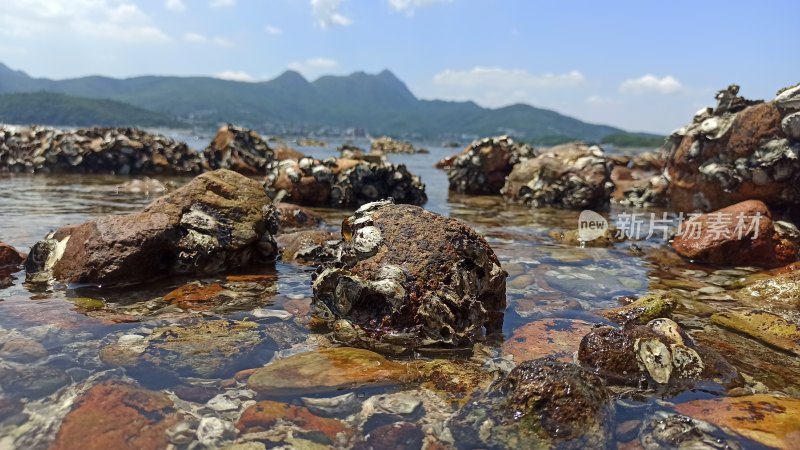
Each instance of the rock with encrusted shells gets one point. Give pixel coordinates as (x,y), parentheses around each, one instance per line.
(238,149)
(406,279)
(385,144)
(483,166)
(569,176)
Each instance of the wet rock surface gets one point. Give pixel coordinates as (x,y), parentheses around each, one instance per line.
(343,182)
(296,217)
(240,150)
(743,233)
(483,166)
(542,403)
(570,176)
(737,151)
(221,220)
(556,338)
(408,278)
(308,246)
(121,151)
(10,257)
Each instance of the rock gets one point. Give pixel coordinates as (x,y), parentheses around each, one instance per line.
(395,436)
(235,293)
(21,349)
(308,246)
(31,381)
(295,216)
(219,221)
(283,153)
(386,144)
(342,405)
(646,193)
(659,352)
(121,151)
(144,186)
(570,176)
(765,419)
(343,182)
(740,234)
(483,166)
(240,150)
(557,338)
(791,126)
(778,294)
(766,327)
(311,142)
(407,278)
(114,415)
(665,430)
(652,306)
(212,430)
(789,98)
(326,370)
(542,403)
(265,414)
(737,152)
(454,379)
(10,258)
(207,349)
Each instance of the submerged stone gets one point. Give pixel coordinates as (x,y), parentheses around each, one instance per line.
(643,310)
(558,338)
(766,327)
(407,278)
(266,414)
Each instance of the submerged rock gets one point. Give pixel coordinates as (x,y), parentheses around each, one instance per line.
(768,328)
(219,221)
(10,258)
(385,144)
(570,176)
(739,234)
(121,151)
(779,294)
(308,246)
(665,430)
(296,217)
(643,310)
(542,403)
(407,278)
(483,166)
(240,150)
(115,415)
(557,338)
(738,151)
(266,414)
(344,182)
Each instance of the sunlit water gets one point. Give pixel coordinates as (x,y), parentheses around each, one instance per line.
(547,278)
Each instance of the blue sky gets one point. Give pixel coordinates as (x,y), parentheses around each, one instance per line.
(635,64)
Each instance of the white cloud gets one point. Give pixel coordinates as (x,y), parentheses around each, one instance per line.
(175,5)
(409,6)
(313,66)
(197,38)
(106,19)
(651,84)
(599,100)
(496,77)
(221,3)
(233,75)
(271,29)
(326,14)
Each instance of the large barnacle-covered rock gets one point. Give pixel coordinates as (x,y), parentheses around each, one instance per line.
(408,278)
(121,151)
(218,221)
(385,144)
(741,150)
(483,166)
(240,150)
(571,176)
(344,182)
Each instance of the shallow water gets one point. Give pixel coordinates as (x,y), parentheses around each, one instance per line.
(548,278)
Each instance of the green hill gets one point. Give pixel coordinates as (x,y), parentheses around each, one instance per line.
(58,109)
(381,104)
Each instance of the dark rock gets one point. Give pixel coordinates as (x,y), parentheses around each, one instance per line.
(740,234)
(10,258)
(408,278)
(571,176)
(240,150)
(542,403)
(394,436)
(295,217)
(122,151)
(119,416)
(664,430)
(343,182)
(219,221)
(737,152)
(483,166)
(31,381)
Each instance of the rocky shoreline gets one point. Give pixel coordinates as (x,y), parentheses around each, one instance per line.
(222,316)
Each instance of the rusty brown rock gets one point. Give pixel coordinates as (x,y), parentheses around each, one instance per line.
(9,256)
(408,278)
(308,246)
(295,216)
(114,415)
(266,413)
(740,234)
(220,220)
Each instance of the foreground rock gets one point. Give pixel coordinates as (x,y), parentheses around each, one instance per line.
(738,151)
(121,151)
(740,234)
(768,420)
(408,278)
(219,221)
(483,166)
(556,338)
(344,182)
(327,370)
(763,326)
(570,176)
(386,144)
(240,150)
(266,414)
(114,415)
(10,258)
(542,403)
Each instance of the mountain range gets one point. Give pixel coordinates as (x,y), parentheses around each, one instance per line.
(380,104)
